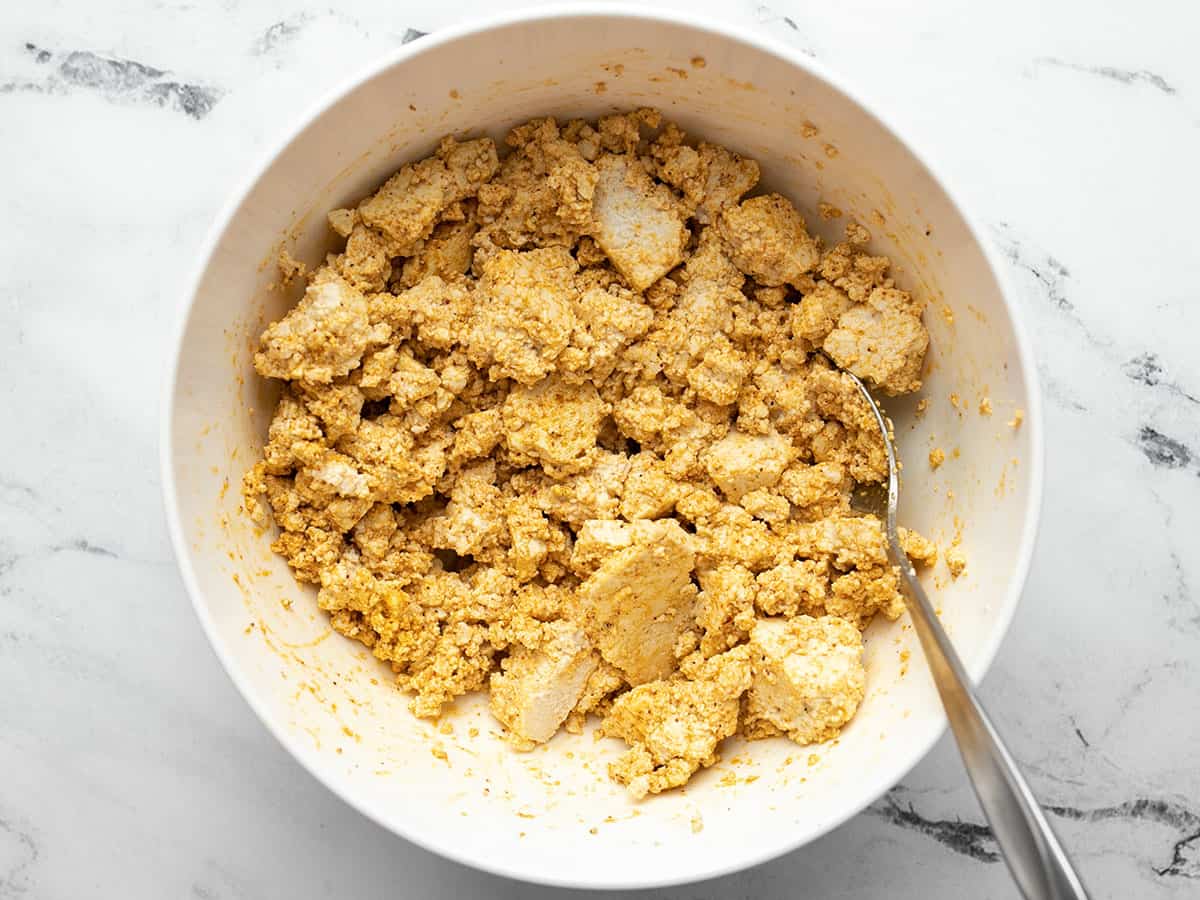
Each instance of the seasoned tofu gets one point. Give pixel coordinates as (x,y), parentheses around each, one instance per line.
(818,312)
(768,240)
(882,341)
(473,520)
(537,688)
(726,607)
(447,253)
(709,177)
(407,207)
(640,600)
(592,494)
(523,313)
(740,463)
(673,727)
(555,424)
(649,490)
(793,587)
(606,321)
(638,223)
(808,676)
(727,176)
(598,539)
(323,338)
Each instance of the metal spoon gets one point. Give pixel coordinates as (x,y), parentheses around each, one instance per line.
(1037,861)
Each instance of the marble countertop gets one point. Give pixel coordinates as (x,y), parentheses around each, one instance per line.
(132,768)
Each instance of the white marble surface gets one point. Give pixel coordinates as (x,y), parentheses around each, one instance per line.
(130,766)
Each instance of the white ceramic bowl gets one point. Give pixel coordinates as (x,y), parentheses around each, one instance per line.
(552,816)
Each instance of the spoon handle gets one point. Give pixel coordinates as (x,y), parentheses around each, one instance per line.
(1038,862)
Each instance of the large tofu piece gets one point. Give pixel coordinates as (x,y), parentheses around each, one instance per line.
(523,318)
(637,223)
(768,240)
(640,600)
(740,463)
(882,341)
(555,424)
(321,339)
(537,688)
(405,209)
(808,676)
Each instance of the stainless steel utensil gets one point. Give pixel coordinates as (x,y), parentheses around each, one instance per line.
(1038,862)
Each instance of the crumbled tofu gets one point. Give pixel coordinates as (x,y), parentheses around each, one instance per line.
(640,600)
(554,426)
(918,548)
(740,463)
(956,561)
(792,588)
(638,223)
(817,491)
(719,375)
(768,240)
(598,539)
(937,456)
(406,208)
(768,506)
(649,490)
(447,253)
(323,338)
(607,320)
(849,542)
(808,676)
(727,176)
(882,341)
(725,608)
(592,494)
(818,312)
(673,727)
(473,520)
(709,177)
(602,684)
(524,316)
(537,688)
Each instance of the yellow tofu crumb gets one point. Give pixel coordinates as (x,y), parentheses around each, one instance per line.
(937,456)
(956,561)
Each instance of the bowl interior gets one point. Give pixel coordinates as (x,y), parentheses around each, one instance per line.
(466,794)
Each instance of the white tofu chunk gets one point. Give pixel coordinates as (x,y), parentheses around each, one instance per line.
(882,341)
(536,689)
(640,600)
(808,676)
(555,423)
(637,223)
(740,463)
(321,339)
(767,240)
(597,540)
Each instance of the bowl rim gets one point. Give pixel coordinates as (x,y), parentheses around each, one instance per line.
(610,879)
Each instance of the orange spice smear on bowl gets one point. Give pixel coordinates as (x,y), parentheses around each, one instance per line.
(552,428)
